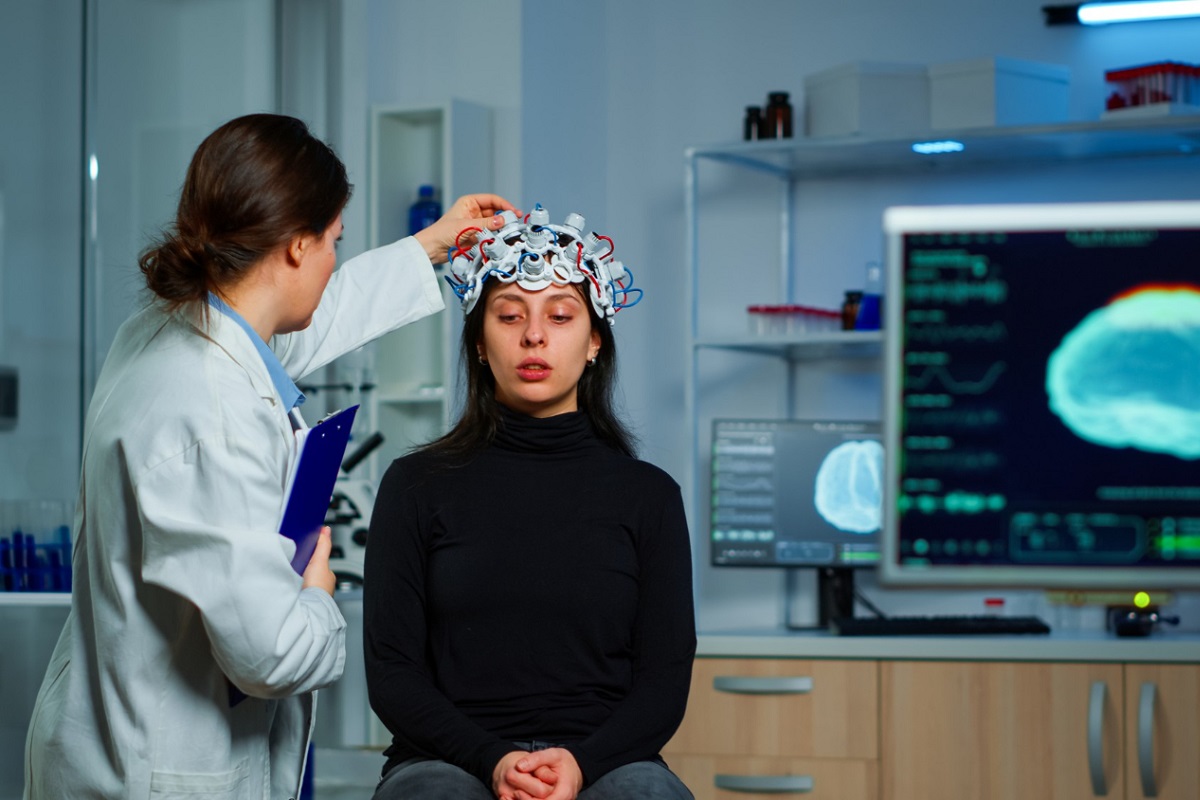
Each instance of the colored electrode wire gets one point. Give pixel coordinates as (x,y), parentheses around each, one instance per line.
(534,254)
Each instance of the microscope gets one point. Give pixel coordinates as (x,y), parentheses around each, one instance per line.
(349,517)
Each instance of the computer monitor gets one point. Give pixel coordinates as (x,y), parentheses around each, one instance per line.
(799,494)
(1042,396)
(788,493)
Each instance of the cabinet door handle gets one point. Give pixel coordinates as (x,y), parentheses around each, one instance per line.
(1146,703)
(737,685)
(1095,737)
(764,784)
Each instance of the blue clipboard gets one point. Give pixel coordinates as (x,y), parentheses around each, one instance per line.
(312,483)
(310,491)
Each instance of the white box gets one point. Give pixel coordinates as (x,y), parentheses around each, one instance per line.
(868,98)
(987,92)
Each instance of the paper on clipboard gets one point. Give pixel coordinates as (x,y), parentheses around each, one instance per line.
(310,485)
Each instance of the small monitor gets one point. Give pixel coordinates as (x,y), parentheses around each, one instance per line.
(1042,396)
(796,493)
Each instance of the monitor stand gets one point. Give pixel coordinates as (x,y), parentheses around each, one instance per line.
(835,595)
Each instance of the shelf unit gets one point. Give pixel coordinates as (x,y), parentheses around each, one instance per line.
(448,146)
(793,161)
(35,598)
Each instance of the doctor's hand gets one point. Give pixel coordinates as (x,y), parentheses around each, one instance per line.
(468,211)
(317,573)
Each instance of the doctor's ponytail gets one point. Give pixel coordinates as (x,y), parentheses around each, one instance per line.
(253,184)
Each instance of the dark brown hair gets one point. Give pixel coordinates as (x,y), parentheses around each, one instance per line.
(253,184)
(476,426)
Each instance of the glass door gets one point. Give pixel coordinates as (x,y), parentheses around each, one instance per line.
(105,103)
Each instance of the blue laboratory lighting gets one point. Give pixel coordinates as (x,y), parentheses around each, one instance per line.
(937,148)
(1105,13)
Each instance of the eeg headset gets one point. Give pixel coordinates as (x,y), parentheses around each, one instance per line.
(535,253)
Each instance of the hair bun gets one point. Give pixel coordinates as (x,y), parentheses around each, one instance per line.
(176,268)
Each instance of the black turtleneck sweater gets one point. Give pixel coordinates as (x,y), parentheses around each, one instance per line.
(542,591)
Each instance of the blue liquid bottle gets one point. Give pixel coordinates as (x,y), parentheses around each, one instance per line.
(870,316)
(426,211)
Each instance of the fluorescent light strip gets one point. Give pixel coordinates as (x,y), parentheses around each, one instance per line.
(1104,13)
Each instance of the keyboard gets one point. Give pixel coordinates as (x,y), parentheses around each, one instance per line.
(936,626)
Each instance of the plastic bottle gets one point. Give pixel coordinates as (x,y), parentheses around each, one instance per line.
(426,211)
(869,313)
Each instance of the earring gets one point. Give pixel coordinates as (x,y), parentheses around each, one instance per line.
(482,360)
(592,361)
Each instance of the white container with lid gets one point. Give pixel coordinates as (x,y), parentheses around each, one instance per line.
(988,92)
(868,98)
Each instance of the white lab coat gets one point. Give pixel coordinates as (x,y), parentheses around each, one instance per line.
(182,583)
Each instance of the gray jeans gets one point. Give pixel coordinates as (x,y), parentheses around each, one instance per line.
(423,779)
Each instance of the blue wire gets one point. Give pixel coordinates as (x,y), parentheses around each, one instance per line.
(640,295)
(459,289)
(626,292)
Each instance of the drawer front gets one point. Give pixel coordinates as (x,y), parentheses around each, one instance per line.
(781,707)
(747,777)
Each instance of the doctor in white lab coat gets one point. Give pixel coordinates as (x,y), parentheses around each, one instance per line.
(188,663)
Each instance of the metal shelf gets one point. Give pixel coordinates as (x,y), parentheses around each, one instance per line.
(1112,138)
(802,346)
(35,598)
(418,395)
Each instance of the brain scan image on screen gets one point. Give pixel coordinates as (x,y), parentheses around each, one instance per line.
(849,486)
(1128,375)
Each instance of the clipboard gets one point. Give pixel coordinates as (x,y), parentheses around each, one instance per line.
(310,489)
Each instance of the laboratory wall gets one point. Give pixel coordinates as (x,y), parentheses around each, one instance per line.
(422,54)
(41,171)
(623,87)
(163,76)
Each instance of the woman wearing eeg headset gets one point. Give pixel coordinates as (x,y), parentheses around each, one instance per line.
(528,616)
(188,662)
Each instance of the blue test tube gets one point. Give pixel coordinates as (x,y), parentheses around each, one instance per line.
(18,561)
(33,565)
(64,551)
(6,577)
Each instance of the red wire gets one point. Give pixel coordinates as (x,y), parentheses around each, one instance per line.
(611,246)
(579,266)
(459,250)
(460,234)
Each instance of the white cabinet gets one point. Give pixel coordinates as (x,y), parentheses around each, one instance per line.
(449,147)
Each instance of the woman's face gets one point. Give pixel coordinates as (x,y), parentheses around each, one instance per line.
(316,268)
(537,345)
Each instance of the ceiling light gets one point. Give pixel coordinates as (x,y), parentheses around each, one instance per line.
(1104,13)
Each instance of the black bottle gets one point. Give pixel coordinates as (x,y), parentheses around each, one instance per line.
(777,118)
(752,125)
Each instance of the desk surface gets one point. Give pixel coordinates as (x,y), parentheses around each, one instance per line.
(1163,647)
